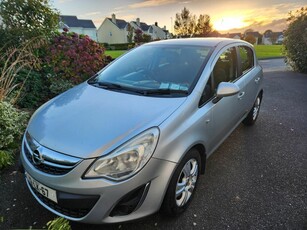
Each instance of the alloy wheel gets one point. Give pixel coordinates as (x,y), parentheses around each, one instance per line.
(186,182)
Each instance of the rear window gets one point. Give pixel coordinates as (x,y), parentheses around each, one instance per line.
(247,58)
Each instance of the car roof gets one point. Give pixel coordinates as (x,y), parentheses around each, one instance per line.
(212,41)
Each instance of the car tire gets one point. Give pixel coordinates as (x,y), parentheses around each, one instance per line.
(253,113)
(183,184)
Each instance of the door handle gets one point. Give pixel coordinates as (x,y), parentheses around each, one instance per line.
(240,96)
(257,80)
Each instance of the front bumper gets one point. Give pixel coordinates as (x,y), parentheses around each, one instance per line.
(100,195)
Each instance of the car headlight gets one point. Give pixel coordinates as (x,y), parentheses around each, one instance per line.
(126,160)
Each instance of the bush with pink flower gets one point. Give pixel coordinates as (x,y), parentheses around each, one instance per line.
(74,57)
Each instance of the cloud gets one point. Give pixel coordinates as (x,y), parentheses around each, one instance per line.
(91,13)
(151,3)
(184,2)
(276,25)
(264,18)
(64,1)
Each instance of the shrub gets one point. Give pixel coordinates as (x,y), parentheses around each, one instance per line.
(12,124)
(6,159)
(121,46)
(35,90)
(15,59)
(74,57)
(59,224)
(296,40)
(58,86)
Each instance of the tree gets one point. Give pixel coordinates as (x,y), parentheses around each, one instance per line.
(268,33)
(28,18)
(185,23)
(248,31)
(296,40)
(188,25)
(130,33)
(146,38)
(250,38)
(204,27)
(214,33)
(272,36)
(138,35)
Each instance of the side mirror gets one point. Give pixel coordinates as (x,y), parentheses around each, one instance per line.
(225,89)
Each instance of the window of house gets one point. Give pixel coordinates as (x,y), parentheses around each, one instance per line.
(247,58)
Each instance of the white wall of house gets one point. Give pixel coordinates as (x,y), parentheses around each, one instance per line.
(157,33)
(236,37)
(109,33)
(91,32)
(266,41)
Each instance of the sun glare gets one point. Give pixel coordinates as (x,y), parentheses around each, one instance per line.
(228,23)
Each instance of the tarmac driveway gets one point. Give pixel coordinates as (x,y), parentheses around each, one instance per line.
(257,179)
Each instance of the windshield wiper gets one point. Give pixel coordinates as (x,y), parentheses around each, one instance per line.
(109,85)
(166,92)
(148,92)
(114,86)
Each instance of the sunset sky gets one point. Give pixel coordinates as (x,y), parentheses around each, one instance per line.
(226,15)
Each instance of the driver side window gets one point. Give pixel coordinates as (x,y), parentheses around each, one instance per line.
(225,70)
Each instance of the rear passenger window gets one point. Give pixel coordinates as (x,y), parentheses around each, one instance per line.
(247,58)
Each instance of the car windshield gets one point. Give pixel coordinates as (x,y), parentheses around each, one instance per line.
(155,70)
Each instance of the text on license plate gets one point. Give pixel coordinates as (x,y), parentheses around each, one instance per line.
(42,189)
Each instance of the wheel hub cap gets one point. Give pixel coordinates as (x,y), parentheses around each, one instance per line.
(186,182)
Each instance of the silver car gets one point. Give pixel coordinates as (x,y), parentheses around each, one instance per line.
(135,137)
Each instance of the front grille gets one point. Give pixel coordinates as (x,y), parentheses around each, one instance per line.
(46,168)
(71,208)
(46,160)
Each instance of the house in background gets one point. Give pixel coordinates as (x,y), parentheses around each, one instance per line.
(154,31)
(158,33)
(79,26)
(232,35)
(113,31)
(137,25)
(270,37)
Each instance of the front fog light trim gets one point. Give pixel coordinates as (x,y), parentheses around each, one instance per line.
(127,160)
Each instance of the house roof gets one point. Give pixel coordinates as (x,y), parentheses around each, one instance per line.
(278,33)
(234,34)
(121,24)
(143,26)
(255,34)
(73,21)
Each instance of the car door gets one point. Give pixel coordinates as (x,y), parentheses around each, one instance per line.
(227,112)
(251,72)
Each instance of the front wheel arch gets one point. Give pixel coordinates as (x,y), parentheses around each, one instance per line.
(170,206)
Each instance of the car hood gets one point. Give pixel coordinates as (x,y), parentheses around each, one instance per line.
(87,121)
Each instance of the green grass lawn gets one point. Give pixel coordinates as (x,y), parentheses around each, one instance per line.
(269,51)
(114,53)
(262,51)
